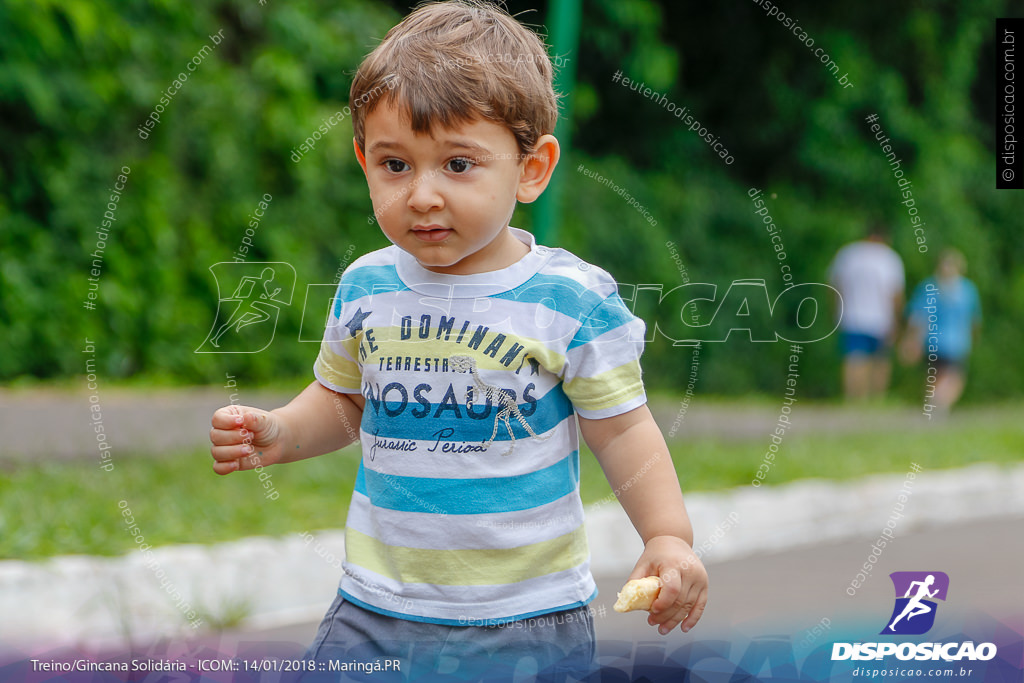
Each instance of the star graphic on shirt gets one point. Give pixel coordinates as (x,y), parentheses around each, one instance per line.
(534,364)
(356,323)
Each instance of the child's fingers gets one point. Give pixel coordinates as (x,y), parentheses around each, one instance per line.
(225,467)
(229,437)
(235,459)
(688,609)
(698,609)
(256,422)
(671,616)
(671,584)
(233,433)
(682,613)
(231,452)
(228,417)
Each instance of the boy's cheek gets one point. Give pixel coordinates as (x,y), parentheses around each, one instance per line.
(386,196)
(379,207)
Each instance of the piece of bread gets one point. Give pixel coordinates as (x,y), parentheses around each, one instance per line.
(638,594)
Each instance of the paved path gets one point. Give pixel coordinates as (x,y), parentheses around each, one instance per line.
(801,586)
(58,424)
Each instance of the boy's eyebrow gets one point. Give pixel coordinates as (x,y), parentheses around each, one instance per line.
(384,146)
(467,145)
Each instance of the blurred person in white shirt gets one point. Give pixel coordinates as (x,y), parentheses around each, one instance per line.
(870,280)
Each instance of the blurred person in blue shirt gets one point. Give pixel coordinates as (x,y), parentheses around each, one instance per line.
(943,320)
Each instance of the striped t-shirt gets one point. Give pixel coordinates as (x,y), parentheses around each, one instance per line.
(466,507)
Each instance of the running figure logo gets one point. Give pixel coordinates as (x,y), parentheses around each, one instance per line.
(247,319)
(914,612)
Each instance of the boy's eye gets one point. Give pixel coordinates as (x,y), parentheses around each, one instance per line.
(395,165)
(459,165)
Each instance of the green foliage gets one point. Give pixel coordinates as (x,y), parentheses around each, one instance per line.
(78,79)
(924,69)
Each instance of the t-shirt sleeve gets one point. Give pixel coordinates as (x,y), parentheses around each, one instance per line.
(602,372)
(337,366)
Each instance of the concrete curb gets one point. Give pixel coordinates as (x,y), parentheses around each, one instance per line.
(751,520)
(267,582)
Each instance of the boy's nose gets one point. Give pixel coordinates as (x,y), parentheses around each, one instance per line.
(424,195)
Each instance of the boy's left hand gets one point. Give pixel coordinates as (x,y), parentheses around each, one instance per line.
(684,591)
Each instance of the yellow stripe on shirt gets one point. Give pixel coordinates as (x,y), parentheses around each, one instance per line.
(591,393)
(468,567)
(338,370)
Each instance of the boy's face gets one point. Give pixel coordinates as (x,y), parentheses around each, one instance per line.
(447,197)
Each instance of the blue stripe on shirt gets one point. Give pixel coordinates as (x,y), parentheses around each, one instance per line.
(559,293)
(612,314)
(364,281)
(470,496)
(451,420)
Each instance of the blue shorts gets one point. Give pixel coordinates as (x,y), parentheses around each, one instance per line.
(548,646)
(950,363)
(854,343)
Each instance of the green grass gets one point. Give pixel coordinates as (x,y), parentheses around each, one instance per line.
(66,508)
(709,465)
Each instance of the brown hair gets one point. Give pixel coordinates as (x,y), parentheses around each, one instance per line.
(449,62)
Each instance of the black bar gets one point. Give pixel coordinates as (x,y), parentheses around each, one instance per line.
(1009,134)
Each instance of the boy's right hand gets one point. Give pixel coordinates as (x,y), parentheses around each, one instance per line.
(244,438)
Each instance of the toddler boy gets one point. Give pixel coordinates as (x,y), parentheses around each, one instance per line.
(468,355)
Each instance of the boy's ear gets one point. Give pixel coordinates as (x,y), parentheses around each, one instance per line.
(537,169)
(359,154)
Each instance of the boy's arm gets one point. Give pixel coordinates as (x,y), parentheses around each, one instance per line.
(635,459)
(320,421)
(315,422)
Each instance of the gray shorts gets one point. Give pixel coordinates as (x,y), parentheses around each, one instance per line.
(550,646)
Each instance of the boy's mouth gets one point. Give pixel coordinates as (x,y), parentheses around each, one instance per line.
(432,233)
